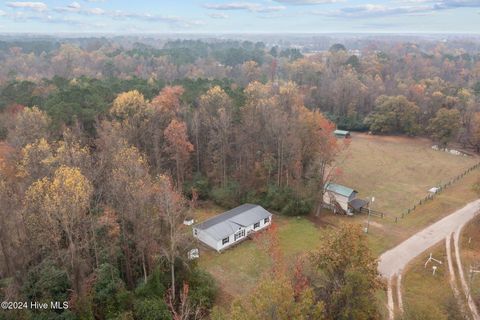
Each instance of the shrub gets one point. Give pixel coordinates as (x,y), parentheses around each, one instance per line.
(227,196)
(151,309)
(286,201)
(155,286)
(46,282)
(200,183)
(109,294)
(203,288)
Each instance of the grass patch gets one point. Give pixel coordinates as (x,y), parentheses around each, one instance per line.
(426,294)
(470,252)
(385,233)
(398,171)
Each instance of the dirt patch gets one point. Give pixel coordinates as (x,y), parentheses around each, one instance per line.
(377,225)
(323,220)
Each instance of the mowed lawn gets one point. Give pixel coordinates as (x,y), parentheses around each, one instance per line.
(238,269)
(430,293)
(470,252)
(398,171)
(385,233)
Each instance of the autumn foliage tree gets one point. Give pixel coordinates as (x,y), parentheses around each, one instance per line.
(29,125)
(56,211)
(179,147)
(346,277)
(171,209)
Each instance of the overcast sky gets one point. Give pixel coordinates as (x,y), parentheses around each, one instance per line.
(221,16)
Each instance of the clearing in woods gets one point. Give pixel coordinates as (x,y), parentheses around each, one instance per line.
(398,171)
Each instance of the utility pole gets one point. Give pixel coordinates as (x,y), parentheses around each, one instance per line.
(369,212)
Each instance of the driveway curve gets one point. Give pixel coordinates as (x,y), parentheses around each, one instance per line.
(393,261)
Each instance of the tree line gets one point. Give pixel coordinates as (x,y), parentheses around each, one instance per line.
(110,149)
(357,90)
(96,217)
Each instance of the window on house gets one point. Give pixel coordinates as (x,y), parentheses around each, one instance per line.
(226,240)
(256,225)
(266,220)
(239,234)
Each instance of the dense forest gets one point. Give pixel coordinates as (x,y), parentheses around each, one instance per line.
(108,148)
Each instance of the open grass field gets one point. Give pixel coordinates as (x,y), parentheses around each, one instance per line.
(385,233)
(470,252)
(428,294)
(398,171)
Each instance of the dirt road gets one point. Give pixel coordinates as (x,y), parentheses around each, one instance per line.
(394,261)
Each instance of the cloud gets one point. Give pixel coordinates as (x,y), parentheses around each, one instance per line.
(75,7)
(36,6)
(451,4)
(308,2)
(172,20)
(402,7)
(375,10)
(63,14)
(247,6)
(218,15)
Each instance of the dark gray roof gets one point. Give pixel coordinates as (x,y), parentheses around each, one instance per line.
(225,224)
(357,204)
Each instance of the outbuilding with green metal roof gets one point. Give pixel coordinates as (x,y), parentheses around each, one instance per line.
(339,198)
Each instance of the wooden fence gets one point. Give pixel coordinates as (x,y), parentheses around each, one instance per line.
(372,212)
(440,188)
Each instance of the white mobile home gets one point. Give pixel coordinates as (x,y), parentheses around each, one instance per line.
(228,228)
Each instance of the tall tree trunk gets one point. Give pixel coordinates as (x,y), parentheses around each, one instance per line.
(6,258)
(144,267)
(126,248)
(279,163)
(198,151)
(179,178)
(94,239)
(172,274)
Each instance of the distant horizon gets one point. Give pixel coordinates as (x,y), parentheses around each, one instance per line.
(101,34)
(240,17)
